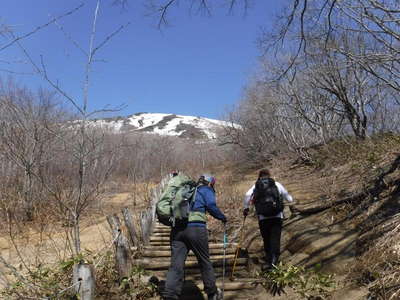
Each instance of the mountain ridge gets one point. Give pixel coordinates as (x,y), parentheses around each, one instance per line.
(163,124)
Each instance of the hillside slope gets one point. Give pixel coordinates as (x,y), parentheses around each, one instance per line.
(350,214)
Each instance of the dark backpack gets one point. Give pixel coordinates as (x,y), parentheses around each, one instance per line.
(267,199)
(173,207)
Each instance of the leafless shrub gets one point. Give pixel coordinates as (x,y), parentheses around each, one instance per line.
(28,134)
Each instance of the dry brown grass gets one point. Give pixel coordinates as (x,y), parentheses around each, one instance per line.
(379,266)
(354,167)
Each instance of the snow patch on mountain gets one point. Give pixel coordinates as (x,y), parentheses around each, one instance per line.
(164,124)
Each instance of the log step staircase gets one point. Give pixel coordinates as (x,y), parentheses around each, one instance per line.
(156,259)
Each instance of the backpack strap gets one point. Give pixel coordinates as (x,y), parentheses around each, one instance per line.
(172,213)
(194,198)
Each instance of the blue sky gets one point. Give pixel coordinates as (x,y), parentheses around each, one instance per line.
(196,66)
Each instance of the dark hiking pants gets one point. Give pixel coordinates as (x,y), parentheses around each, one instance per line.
(183,240)
(271,230)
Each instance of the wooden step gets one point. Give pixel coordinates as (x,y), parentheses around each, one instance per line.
(219,273)
(195,273)
(165,245)
(167,253)
(210,246)
(228,285)
(151,264)
(161,230)
(194,290)
(161,235)
(215,257)
(159,238)
(159,244)
(157,234)
(162,227)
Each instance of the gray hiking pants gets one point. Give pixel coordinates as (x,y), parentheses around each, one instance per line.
(183,240)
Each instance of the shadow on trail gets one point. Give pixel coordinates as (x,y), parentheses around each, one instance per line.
(190,290)
(290,221)
(345,250)
(357,247)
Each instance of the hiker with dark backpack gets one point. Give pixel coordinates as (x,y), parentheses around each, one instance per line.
(192,235)
(268,197)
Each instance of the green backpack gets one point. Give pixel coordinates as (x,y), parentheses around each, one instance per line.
(173,207)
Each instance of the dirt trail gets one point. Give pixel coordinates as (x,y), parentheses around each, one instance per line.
(313,239)
(306,240)
(320,238)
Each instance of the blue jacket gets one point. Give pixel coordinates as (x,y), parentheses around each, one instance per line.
(205,202)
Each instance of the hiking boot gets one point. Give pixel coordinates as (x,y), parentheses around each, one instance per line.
(216,296)
(274,260)
(266,268)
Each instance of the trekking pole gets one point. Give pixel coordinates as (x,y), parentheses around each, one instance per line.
(231,278)
(224,260)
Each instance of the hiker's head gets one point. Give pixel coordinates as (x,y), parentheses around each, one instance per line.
(264,173)
(174,173)
(207,179)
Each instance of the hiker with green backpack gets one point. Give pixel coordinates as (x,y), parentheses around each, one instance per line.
(183,206)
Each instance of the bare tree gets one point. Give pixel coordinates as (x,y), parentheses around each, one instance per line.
(254,124)
(85,145)
(28,132)
(323,96)
(376,20)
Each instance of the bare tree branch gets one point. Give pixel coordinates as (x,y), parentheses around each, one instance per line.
(109,37)
(163,9)
(69,37)
(18,38)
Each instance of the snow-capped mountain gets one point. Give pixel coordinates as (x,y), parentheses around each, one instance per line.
(164,124)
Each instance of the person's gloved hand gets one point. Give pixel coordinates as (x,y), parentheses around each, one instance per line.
(245,212)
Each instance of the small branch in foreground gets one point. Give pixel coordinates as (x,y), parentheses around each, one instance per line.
(18,38)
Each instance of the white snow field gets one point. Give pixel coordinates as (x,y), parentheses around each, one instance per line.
(164,124)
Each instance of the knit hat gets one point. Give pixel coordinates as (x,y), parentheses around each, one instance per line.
(208,179)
